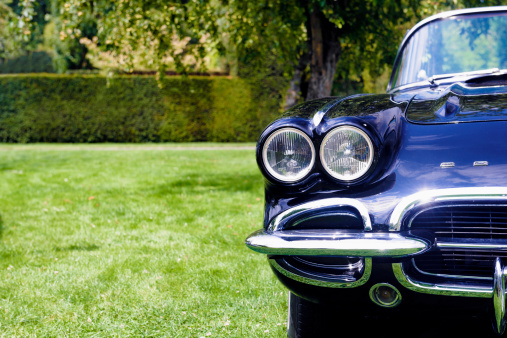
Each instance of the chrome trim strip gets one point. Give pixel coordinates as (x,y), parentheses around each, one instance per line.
(278,222)
(356,265)
(454,194)
(447,206)
(335,243)
(465,245)
(438,289)
(447,276)
(499,296)
(317,118)
(359,282)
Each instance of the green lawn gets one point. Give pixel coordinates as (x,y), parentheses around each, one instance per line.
(138,242)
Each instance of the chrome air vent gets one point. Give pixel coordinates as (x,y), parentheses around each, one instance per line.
(330,213)
(348,268)
(329,218)
(334,272)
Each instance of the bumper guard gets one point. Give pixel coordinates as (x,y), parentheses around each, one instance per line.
(336,243)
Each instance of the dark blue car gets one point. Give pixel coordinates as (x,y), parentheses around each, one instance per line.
(395,205)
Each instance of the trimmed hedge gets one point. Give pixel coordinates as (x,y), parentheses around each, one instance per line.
(71,108)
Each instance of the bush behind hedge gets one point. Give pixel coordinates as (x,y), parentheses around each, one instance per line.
(70,108)
(32,62)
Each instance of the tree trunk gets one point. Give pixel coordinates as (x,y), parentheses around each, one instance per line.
(325,48)
(298,86)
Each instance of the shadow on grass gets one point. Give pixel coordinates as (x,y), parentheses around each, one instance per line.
(227,183)
(74,247)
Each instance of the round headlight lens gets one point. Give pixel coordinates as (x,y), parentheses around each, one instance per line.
(346,153)
(288,154)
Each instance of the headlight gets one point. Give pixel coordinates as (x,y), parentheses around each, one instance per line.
(346,153)
(288,154)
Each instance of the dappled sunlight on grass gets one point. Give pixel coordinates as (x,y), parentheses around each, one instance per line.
(138,242)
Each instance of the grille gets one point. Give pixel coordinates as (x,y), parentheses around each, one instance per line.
(457,262)
(481,222)
(461,224)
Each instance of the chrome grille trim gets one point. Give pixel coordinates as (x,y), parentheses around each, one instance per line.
(419,199)
(425,200)
(458,221)
(457,263)
(445,275)
(486,245)
(440,289)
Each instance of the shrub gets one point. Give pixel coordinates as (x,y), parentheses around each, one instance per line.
(72,108)
(33,62)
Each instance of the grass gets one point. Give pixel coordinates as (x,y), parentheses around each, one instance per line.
(133,243)
(124,146)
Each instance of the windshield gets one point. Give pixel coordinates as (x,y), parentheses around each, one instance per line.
(455,45)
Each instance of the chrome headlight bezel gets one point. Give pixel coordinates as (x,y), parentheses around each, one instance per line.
(272,172)
(371,157)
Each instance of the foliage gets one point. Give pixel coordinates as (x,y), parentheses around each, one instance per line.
(69,52)
(260,30)
(15,28)
(267,85)
(34,14)
(64,108)
(173,33)
(165,31)
(33,62)
(362,69)
(176,32)
(369,34)
(186,34)
(364,27)
(6,15)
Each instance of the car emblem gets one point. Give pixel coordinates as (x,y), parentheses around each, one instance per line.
(447,164)
(452,164)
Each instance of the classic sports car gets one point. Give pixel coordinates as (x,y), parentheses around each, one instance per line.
(394,203)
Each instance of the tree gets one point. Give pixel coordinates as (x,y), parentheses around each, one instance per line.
(361,35)
(320,32)
(6,16)
(307,37)
(15,28)
(301,33)
(166,32)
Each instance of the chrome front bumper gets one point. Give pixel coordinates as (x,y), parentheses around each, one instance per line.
(336,243)
(279,240)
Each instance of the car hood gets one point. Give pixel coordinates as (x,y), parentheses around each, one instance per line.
(421,145)
(459,102)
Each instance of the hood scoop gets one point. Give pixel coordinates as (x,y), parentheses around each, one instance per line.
(459,103)
(449,109)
